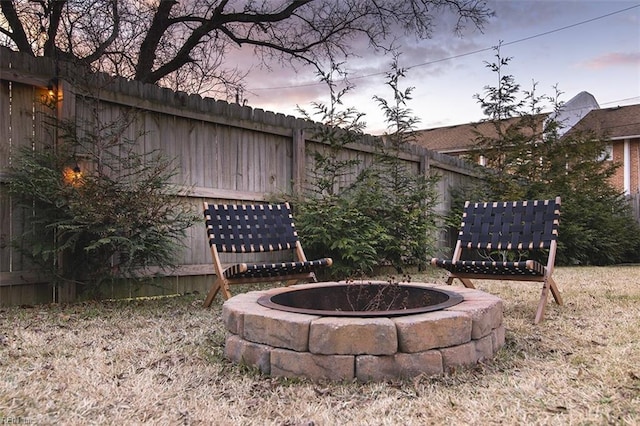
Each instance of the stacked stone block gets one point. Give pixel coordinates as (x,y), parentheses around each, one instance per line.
(289,344)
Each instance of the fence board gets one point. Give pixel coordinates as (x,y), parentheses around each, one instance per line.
(22,122)
(6,233)
(5,201)
(5,136)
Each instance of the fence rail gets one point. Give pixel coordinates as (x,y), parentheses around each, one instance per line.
(226,152)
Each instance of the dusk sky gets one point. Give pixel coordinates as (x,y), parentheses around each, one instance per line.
(580,45)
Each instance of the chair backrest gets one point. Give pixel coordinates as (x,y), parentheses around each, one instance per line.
(250,228)
(517,225)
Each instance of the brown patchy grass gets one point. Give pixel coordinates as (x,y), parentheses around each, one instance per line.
(161,362)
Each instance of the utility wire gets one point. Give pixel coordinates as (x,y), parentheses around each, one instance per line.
(525,38)
(620,100)
(473,52)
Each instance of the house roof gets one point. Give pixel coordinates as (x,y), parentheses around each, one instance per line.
(458,138)
(462,137)
(446,139)
(615,123)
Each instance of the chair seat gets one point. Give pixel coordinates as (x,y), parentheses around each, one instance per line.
(488,267)
(258,270)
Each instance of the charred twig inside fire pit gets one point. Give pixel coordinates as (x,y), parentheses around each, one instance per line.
(378,296)
(366,299)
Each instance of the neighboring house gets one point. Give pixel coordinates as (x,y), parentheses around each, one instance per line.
(460,140)
(575,110)
(619,125)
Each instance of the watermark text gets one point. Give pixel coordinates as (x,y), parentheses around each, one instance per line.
(17,420)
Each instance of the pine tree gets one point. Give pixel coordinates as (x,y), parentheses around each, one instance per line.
(530,157)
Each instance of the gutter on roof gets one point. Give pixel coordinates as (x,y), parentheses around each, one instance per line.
(458,150)
(619,138)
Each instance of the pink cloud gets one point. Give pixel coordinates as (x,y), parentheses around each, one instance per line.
(613,59)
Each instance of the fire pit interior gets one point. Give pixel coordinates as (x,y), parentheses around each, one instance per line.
(296,332)
(365,299)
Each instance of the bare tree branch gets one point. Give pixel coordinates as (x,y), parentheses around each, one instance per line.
(153,41)
(102,48)
(55,17)
(17,33)
(148,47)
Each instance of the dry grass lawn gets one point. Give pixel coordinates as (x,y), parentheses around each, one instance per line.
(160,362)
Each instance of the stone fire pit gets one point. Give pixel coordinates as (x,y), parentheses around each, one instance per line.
(368,348)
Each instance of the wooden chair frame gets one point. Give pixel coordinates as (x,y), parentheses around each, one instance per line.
(510,226)
(253,228)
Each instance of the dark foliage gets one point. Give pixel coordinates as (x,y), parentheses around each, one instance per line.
(96,209)
(363,217)
(531,158)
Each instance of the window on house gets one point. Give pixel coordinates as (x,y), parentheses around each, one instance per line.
(607,153)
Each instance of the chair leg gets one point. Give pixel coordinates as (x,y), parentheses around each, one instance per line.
(212,293)
(554,291)
(218,284)
(544,296)
(311,278)
(224,286)
(467,283)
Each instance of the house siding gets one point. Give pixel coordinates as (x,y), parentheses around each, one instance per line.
(614,125)
(635,165)
(617,179)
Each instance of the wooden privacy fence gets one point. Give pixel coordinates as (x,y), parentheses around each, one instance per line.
(226,152)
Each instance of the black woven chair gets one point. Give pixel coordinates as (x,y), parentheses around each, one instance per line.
(241,229)
(527,229)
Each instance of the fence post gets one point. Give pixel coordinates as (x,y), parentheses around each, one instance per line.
(425,165)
